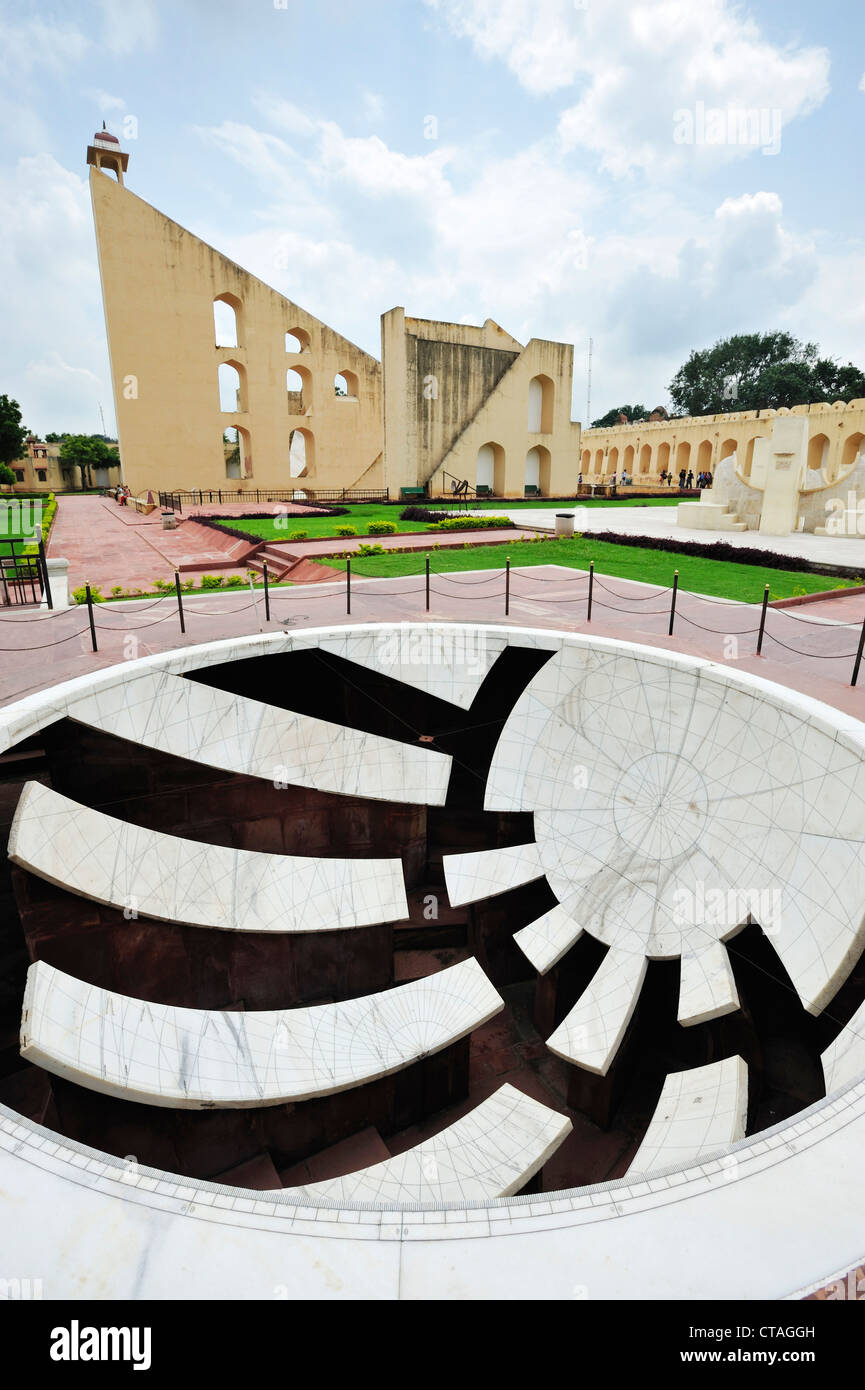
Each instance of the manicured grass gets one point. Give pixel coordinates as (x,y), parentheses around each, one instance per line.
(360,516)
(720,578)
(508,506)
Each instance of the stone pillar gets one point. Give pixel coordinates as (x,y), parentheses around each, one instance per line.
(58,580)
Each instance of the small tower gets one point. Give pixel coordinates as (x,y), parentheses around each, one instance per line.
(105,153)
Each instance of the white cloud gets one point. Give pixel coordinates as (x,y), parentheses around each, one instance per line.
(129,26)
(104,100)
(372,105)
(540,40)
(638,64)
(34,43)
(49,289)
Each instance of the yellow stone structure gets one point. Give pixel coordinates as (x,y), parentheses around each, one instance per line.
(283,401)
(449,403)
(159,285)
(699,443)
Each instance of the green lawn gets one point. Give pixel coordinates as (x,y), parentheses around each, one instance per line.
(720,578)
(361,514)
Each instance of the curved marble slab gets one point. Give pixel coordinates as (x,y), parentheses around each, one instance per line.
(701,1111)
(176,880)
(491,1152)
(548,938)
(844,1058)
(591,1033)
(190,720)
(675,801)
(194,1059)
(707,988)
(485,872)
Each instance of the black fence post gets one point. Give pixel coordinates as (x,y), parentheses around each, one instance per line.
(89,597)
(348,584)
(859,655)
(762,620)
(507,585)
(45,580)
(427,583)
(591,587)
(673,603)
(179,599)
(266,591)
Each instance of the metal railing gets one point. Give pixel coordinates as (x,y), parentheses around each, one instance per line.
(173,501)
(24,577)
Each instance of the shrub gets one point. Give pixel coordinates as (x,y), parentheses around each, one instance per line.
(471,523)
(422,514)
(80,595)
(297,535)
(382,528)
(211,581)
(346,531)
(370,550)
(235,581)
(116,590)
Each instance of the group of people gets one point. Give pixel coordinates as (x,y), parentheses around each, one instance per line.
(120,493)
(686,478)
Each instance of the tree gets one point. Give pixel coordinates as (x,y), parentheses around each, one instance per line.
(633,412)
(86,451)
(7,475)
(761,371)
(12,432)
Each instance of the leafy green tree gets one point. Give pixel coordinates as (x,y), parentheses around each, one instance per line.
(12,432)
(633,412)
(7,475)
(761,371)
(85,452)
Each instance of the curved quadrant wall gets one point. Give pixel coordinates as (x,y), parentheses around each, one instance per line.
(200,1059)
(177,880)
(701,1112)
(191,720)
(491,1152)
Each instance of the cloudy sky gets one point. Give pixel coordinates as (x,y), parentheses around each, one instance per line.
(570,168)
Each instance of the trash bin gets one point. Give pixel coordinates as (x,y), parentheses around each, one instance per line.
(564,523)
(169,521)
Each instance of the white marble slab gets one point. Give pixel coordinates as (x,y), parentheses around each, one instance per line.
(707,988)
(491,1152)
(662,787)
(548,938)
(449,661)
(203,1058)
(591,1033)
(844,1058)
(486,872)
(177,880)
(191,720)
(701,1112)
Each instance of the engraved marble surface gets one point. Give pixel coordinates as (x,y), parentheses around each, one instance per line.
(192,720)
(701,1111)
(178,880)
(203,1058)
(492,1151)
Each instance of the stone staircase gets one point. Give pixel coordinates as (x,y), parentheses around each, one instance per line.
(279,561)
(709,516)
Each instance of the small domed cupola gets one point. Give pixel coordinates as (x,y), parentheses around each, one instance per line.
(105,153)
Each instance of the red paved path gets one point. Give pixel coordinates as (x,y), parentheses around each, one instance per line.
(542,596)
(108,545)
